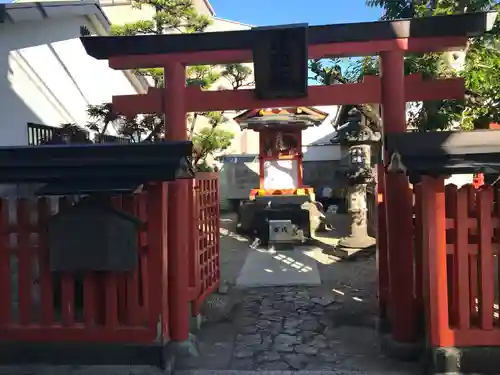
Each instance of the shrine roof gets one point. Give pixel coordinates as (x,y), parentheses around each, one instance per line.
(281,121)
(86,168)
(438,153)
(312,112)
(462,25)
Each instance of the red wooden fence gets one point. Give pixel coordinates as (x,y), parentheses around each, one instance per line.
(460,232)
(40,305)
(204,253)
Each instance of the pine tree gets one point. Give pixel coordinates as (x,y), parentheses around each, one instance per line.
(168,16)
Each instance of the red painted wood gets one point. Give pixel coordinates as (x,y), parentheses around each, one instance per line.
(193,258)
(143,275)
(370,48)
(451,269)
(487,291)
(67,281)
(5,271)
(461,263)
(473,258)
(45,278)
(90,300)
(175,105)
(382,248)
(121,280)
(399,207)
(418,255)
(67,299)
(367,92)
(76,333)
(25,263)
(157,262)
(496,233)
(111,301)
(129,205)
(435,277)
(208,246)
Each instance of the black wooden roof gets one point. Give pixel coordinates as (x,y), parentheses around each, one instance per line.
(87,168)
(467,25)
(281,121)
(444,153)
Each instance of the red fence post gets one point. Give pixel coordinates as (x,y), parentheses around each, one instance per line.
(157,261)
(417,251)
(461,297)
(434,250)
(485,230)
(382,250)
(178,197)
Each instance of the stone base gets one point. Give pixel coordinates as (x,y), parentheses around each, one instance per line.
(357,242)
(465,360)
(350,246)
(180,351)
(401,351)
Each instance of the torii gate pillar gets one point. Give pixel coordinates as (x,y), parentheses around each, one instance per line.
(399,205)
(174,104)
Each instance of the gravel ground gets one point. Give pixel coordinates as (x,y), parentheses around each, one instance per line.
(329,327)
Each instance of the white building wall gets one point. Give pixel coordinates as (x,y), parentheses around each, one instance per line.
(47,77)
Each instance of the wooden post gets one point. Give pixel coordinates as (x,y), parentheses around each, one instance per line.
(178,217)
(434,251)
(399,208)
(382,255)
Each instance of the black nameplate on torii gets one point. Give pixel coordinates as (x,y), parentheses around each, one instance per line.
(280,55)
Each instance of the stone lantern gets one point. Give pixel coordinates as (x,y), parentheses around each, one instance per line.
(360,139)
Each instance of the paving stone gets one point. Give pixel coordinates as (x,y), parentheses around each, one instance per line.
(243,352)
(242,364)
(274,366)
(250,339)
(287,339)
(308,349)
(296,360)
(284,348)
(319,341)
(268,356)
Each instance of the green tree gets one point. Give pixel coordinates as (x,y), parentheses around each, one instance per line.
(478,63)
(209,141)
(169,16)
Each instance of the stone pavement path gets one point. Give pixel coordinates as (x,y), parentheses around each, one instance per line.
(291,328)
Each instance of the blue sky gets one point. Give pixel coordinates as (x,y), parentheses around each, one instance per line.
(275,12)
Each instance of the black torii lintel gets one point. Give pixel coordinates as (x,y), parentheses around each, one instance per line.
(462,25)
(280,62)
(94,168)
(444,153)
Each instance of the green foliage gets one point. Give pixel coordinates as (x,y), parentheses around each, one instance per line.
(167,16)
(330,71)
(208,141)
(481,67)
(480,60)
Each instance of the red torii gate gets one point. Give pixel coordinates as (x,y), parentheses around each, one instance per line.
(390,39)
